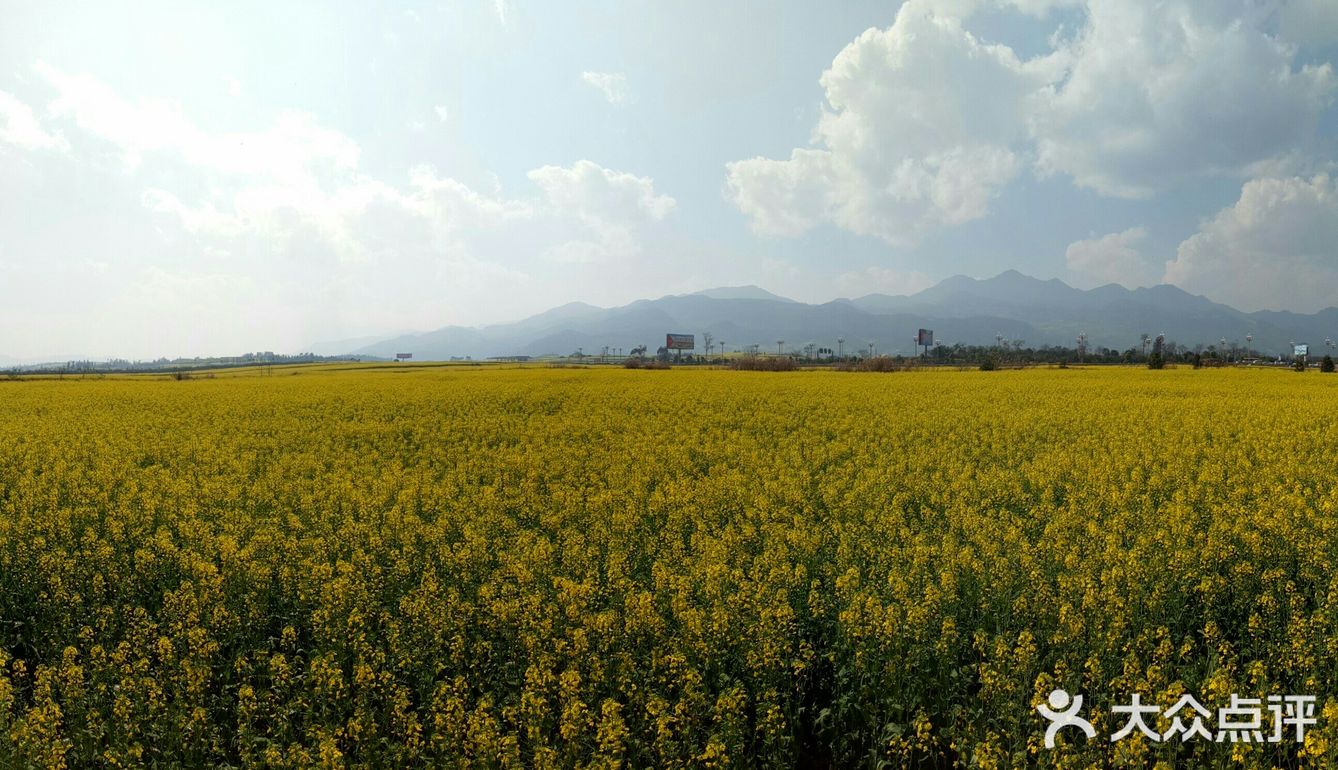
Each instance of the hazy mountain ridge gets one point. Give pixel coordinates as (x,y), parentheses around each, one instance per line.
(958,309)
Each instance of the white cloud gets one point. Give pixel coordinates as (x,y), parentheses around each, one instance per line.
(1158,93)
(285,225)
(442,113)
(1276,247)
(612,84)
(599,194)
(921,130)
(19,126)
(925,123)
(610,206)
(294,148)
(1111,258)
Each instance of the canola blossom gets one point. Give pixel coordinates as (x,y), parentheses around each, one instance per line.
(604,568)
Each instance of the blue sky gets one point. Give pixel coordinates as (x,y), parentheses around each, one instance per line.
(187,178)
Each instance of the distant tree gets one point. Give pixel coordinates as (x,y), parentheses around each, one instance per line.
(1158,358)
(1326,365)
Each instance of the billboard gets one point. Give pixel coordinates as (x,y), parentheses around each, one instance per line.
(1300,350)
(679,341)
(403,356)
(925,337)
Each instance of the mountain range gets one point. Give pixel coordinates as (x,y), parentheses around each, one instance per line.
(959,310)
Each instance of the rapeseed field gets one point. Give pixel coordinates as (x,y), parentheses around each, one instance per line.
(559,568)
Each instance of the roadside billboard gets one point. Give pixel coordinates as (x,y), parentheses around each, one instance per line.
(680,341)
(925,338)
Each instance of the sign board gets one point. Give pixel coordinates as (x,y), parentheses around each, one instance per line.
(925,337)
(680,341)
(1300,350)
(403,356)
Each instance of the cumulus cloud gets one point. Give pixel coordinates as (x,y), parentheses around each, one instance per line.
(1111,258)
(610,206)
(1276,247)
(288,213)
(925,123)
(601,195)
(612,84)
(293,148)
(298,172)
(20,127)
(921,130)
(1158,93)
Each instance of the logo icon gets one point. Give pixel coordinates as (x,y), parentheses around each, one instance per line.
(1063,712)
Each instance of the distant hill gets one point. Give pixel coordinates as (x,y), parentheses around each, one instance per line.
(958,309)
(740,292)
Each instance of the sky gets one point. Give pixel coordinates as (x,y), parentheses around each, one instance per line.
(182,178)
